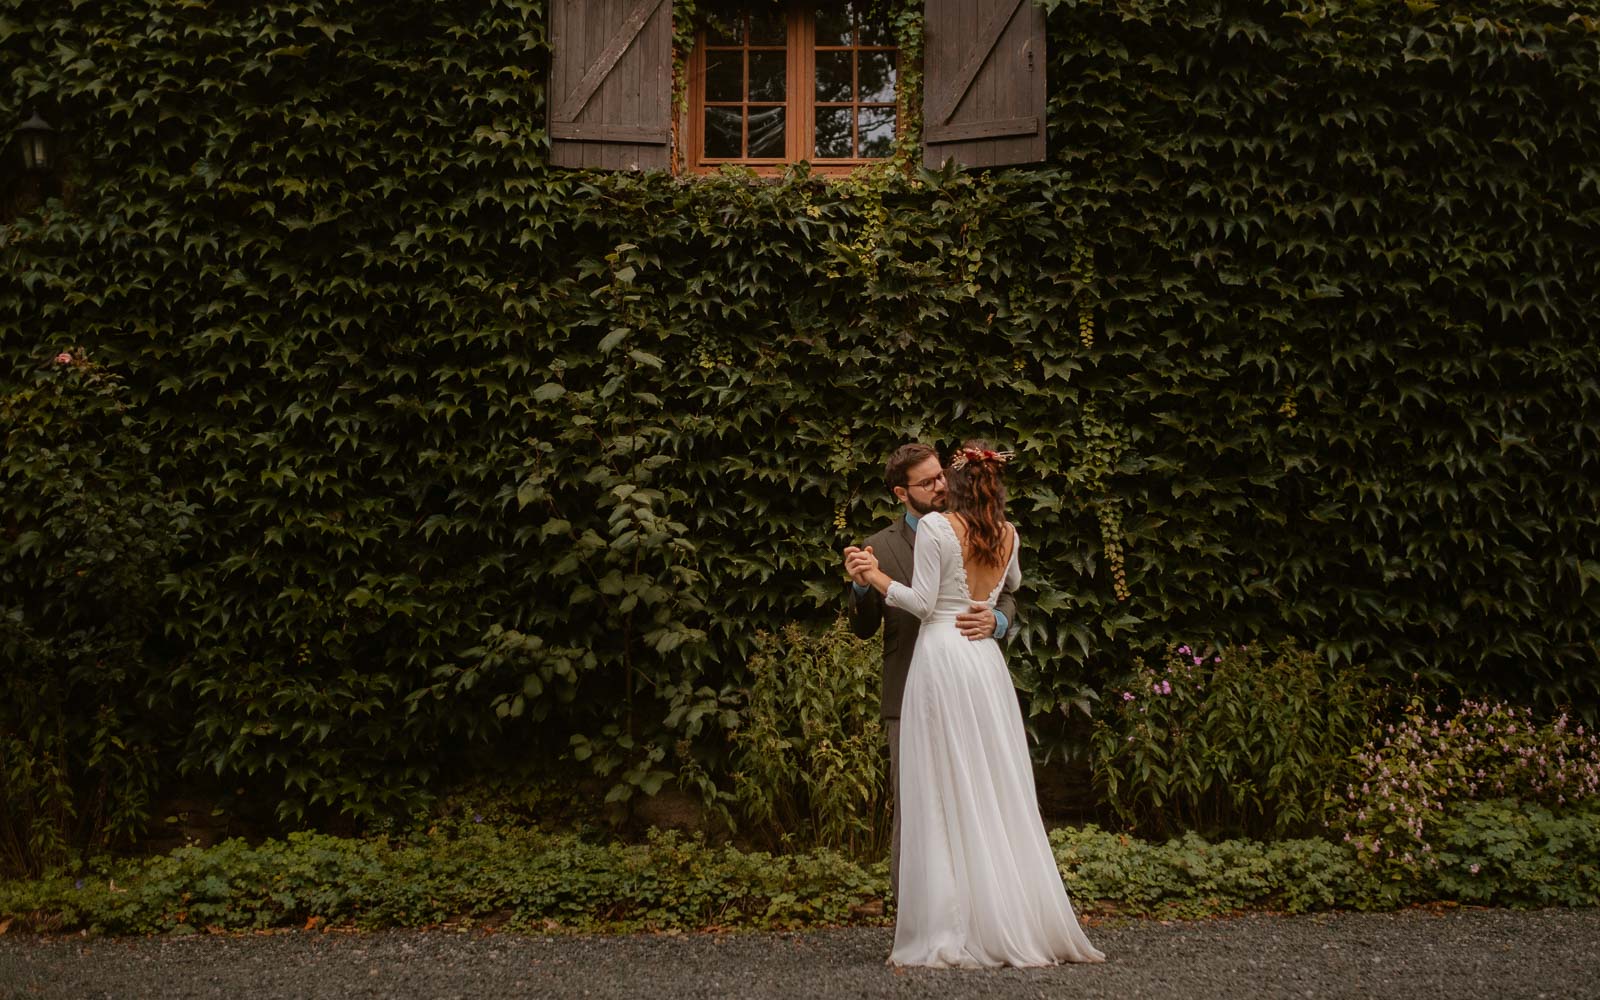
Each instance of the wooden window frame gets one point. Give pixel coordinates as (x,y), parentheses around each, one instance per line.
(800,102)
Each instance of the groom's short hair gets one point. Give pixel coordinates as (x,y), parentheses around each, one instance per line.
(896,472)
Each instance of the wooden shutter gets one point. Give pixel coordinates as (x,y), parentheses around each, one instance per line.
(610,94)
(983,82)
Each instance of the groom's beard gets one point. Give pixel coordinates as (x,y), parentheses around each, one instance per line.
(923,509)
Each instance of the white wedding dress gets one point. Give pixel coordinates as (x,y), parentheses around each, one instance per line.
(978,883)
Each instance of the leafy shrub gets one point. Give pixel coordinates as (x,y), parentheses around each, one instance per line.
(414,372)
(1503,851)
(521,879)
(1468,786)
(1189,876)
(86,530)
(1229,741)
(809,765)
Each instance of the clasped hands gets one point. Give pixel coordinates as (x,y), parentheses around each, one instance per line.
(975,623)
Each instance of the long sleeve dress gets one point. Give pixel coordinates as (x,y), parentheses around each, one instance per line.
(978,882)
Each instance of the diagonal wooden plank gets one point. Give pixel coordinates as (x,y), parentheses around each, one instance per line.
(569,109)
(943,105)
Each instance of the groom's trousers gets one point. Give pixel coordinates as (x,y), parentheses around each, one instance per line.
(891,732)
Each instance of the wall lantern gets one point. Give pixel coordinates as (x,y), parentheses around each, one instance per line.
(38,142)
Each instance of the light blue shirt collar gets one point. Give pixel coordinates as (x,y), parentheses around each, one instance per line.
(912,520)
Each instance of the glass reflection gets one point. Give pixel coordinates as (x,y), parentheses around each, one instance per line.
(766,133)
(725,76)
(833,26)
(875,31)
(833,133)
(877,131)
(767,76)
(727,29)
(833,76)
(724,138)
(877,76)
(768,28)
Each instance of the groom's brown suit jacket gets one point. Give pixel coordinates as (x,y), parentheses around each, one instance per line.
(894,547)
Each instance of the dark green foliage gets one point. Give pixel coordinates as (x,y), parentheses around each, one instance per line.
(1237,741)
(809,766)
(1294,339)
(85,533)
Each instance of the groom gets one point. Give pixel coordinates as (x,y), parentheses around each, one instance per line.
(916,478)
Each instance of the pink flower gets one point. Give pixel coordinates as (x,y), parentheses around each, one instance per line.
(1199,660)
(1473,868)
(1166,687)
(1127,696)
(63,358)
(1216,659)
(1183,649)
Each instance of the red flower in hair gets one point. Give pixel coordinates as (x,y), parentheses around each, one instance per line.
(966,455)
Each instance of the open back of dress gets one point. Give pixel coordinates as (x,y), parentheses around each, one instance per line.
(978,883)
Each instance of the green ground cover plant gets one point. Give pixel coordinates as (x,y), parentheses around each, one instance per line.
(527,880)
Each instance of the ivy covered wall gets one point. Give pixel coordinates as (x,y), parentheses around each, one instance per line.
(1294,336)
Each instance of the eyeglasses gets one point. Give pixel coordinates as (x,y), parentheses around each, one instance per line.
(928,483)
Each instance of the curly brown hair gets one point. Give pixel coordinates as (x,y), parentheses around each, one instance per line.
(977,491)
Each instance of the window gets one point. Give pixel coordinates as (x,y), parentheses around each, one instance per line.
(775,84)
(809,82)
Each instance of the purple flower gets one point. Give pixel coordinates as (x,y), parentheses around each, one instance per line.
(1199,660)
(1127,696)
(477,817)
(1166,687)
(1183,649)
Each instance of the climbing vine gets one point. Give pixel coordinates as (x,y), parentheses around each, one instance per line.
(1292,334)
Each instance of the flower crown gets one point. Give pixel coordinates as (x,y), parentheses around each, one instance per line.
(965,455)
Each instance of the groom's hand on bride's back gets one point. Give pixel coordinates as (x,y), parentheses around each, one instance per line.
(977,622)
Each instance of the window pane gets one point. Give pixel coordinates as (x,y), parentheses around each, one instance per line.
(723,132)
(875,30)
(877,131)
(833,76)
(877,76)
(767,80)
(833,27)
(833,133)
(725,29)
(766,132)
(725,76)
(768,28)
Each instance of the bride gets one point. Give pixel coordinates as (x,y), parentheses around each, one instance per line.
(978,883)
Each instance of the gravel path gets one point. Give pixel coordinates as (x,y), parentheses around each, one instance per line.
(1465,954)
